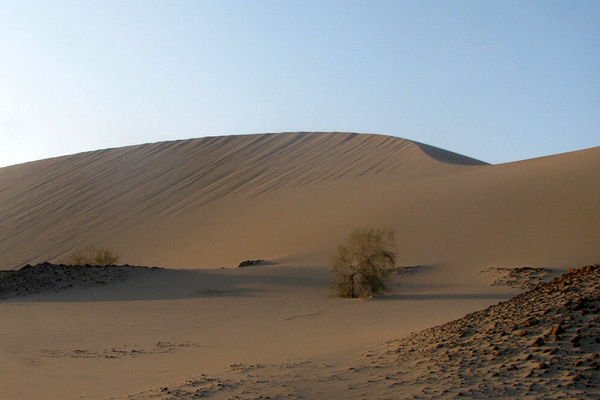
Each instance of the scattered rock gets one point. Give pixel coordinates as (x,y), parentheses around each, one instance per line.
(541,316)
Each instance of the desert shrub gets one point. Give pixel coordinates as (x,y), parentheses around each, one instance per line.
(105,256)
(80,256)
(93,256)
(362,266)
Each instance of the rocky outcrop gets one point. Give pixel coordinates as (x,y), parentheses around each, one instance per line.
(43,277)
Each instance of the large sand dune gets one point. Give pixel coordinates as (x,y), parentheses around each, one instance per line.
(195,205)
(221,197)
(216,201)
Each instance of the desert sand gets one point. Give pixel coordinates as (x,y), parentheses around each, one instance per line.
(539,345)
(199,207)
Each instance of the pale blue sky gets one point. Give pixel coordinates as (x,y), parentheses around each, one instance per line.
(495,80)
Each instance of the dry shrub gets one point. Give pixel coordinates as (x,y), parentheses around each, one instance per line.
(362,266)
(89,255)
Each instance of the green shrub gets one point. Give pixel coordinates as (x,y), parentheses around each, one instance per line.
(362,266)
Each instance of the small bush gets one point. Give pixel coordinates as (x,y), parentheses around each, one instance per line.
(362,266)
(93,256)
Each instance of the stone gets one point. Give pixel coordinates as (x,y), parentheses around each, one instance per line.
(537,342)
(557,329)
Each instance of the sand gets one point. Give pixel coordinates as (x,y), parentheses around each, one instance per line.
(199,207)
(542,344)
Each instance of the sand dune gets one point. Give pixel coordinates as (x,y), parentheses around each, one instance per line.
(216,201)
(54,205)
(194,206)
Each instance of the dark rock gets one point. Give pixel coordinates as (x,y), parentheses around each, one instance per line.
(537,342)
(249,263)
(579,304)
(32,279)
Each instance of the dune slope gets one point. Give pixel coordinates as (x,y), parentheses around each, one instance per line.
(216,201)
(51,206)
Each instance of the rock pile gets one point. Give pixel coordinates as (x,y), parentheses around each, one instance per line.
(55,277)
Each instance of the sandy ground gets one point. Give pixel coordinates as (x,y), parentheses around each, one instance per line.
(540,345)
(162,326)
(195,206)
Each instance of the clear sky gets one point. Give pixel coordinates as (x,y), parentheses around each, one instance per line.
(495,80)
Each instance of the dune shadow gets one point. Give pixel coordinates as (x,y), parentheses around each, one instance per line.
(448,157)
(239,292)
(172,284)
